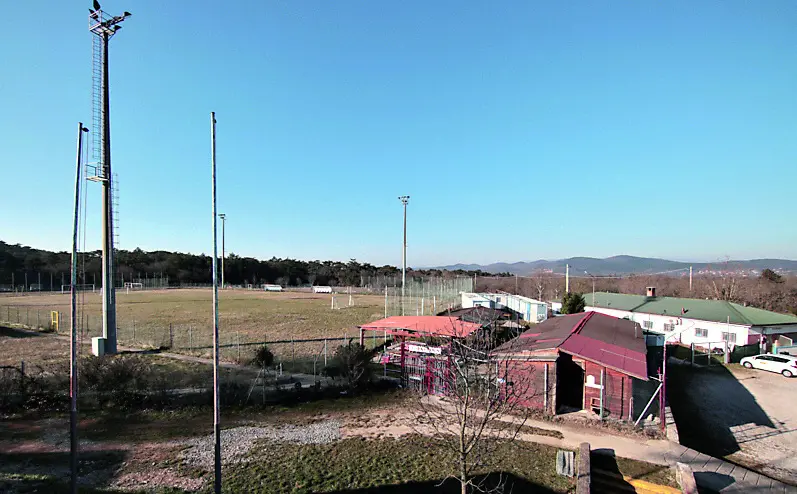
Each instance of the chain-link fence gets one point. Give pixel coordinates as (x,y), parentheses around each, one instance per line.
(426,297)
(308,355)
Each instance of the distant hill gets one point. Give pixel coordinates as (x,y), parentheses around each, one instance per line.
(625,265)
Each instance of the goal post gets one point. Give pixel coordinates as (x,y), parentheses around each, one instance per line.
(86,287)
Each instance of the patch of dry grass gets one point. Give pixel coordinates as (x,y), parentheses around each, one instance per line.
(183,318)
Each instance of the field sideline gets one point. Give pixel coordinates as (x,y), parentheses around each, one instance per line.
(144,317)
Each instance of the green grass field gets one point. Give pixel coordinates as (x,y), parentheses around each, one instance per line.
(184,318)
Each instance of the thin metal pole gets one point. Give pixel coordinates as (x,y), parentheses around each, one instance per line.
(404,200)
(73,439)
(216,404)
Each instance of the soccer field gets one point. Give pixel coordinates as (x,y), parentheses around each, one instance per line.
(183,318)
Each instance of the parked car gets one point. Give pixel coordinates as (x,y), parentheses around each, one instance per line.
(782,364)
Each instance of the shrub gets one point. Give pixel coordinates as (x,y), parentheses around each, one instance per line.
(263,357)
(351,362)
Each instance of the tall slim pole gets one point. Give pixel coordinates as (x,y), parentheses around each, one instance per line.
(404,200)
(690,278)
(216,404)
(223,224)
(73,439)
(567,278)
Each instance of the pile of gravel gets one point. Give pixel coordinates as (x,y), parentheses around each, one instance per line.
(237,442)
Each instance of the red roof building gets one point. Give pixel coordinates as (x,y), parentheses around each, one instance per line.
(587,361)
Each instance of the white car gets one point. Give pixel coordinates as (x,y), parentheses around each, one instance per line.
(782,364)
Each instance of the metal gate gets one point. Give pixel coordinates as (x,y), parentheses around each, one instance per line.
(427,374)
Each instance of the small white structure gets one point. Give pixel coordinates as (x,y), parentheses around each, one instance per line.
(98,346)
(710,323)
(527,308)
(322,289)
(272,288)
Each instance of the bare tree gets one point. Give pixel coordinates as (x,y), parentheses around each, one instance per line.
(541,280)
(480,405)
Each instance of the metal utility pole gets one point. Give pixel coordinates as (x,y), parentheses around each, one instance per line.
(216,402)
(567,278)
(223,224)
(593,287)
(73,440)
(404,200)
(690,278)
(104,27)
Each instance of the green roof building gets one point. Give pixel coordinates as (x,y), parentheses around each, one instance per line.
(691,320)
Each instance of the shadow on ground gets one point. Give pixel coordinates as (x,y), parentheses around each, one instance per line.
(606,475)
(510,482)
(707,403)
(16,333)
(718,480)
(49,471)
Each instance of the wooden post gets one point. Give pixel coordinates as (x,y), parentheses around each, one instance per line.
(171,336)
(603,392)
(545,397)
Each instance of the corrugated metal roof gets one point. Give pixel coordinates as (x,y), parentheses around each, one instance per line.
(614,343)
(427,325)
(700,309)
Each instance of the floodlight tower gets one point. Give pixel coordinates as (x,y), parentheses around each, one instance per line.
(404,200)
(103,27)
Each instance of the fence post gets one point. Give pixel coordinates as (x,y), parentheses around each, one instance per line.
(171,336)
(325,352)
(293,355)
(190,338)
(38,324)
(238,341)
(134,330)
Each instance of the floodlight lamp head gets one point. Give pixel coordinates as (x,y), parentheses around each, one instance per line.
(126,14)
(85,129)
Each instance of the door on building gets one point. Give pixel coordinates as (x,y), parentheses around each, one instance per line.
(569,385)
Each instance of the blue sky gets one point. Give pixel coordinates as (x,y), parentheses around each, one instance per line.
(521,130)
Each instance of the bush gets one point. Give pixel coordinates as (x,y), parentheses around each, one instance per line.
(351,362)
(116,380)
(573,303)
(263,357)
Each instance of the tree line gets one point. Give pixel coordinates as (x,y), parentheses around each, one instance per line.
(26,267)
(768,290)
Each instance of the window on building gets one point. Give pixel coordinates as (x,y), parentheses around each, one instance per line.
(647,324)
(669,327)
(701,332)
(729,337)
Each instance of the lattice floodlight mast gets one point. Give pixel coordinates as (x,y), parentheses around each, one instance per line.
(104,26)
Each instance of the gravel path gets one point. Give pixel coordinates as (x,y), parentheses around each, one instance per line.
(238,441)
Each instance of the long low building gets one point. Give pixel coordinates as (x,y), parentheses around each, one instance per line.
(710,323)
(526,308)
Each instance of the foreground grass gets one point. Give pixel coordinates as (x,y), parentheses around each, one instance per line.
(409,464)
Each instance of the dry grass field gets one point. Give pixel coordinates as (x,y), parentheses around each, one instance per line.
(183,319)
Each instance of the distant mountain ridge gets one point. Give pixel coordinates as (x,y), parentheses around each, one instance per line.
(624,264)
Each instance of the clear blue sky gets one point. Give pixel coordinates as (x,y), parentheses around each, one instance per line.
(521,130)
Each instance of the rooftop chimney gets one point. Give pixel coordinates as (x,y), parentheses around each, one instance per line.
(651,291)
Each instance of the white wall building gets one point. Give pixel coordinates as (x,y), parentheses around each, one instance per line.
(708,323)
(527,308)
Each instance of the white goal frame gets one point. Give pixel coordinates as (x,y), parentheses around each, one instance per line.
(85,287)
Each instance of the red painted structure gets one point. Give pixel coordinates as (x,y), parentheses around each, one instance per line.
(579,361)
(423,371)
